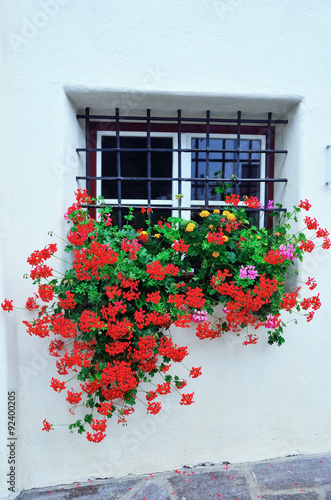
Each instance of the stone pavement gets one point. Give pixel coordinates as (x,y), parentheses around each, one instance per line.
(292,478)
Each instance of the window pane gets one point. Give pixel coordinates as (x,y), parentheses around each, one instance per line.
(134,164)
(224,166)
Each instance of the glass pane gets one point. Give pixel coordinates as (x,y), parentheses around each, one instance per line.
(134,164)
(224,166)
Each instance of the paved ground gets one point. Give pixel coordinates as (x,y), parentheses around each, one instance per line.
(303,477)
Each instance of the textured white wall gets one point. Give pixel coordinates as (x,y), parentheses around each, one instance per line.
(58,56)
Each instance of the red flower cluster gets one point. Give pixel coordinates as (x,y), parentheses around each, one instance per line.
(68,302)
(7,305)
(132,247)
(90,321)
(39,327)
(89,261)
(46,293)
(40,256)
(252,202)
(232,199)
(196,372)
(95,438)
(195,298)
(289,300)
(204,331)
(153,408)
(164,388)
(187,399)
(31,304)
(274,257)
(180,246)
(81,233)
(74,397)
(219,238)
(243,305)
(251,340)
(305,204)
(310,223)
(158,272)
(63,326)
(154,297)
(41,271)
(57,385)
(307,246)
(170,350)
(47,426)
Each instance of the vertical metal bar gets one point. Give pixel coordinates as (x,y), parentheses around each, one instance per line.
(118,168)
(149,163)
(207,159)
(250,164)
(149,159)
(179,145)
(267,168)
(237,168)
(87,146)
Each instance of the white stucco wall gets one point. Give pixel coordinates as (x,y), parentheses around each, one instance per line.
(59,56)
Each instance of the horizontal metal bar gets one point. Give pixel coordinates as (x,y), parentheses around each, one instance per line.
(191,208)
(184,150)
(175,119)
(184,179)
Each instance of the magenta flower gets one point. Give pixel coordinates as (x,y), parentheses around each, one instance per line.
(272,321)
(199,316)
(288,252)
(248,272)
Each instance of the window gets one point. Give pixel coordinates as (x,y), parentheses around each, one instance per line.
(135,161)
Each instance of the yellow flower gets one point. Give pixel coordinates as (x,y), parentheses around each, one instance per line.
(225,238)
(231,217)
(258,237)
(226,213)
(211,227)
(204,213)
(277,234)
(216,211)
(157,235)
(190,227)
(215,254)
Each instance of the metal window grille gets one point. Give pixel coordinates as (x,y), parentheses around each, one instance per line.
(179,124)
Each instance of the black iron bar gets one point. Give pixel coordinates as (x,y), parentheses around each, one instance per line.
(267,166)
(118,168)
(184,179)
(190,208)
(206,178)
(174,119)
(179,144)
(149,164)
(87,144)
(237,167)
(183,150)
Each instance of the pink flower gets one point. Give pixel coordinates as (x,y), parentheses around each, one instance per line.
(199,316)
(272,321)
(248,272)
(287,252)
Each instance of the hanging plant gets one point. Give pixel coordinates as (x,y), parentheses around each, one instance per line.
(108,316)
